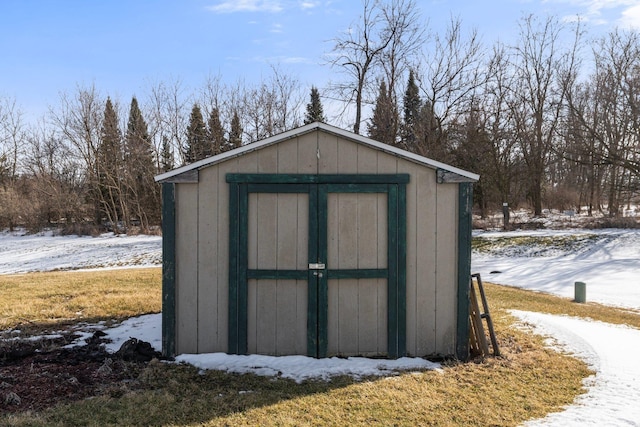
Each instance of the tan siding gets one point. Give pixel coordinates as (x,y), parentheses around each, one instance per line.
(222,307)
(367,160)
(307,153)
(187,268)
(277,318)
(422,238)
(208,247)
(357,307)
(278,238)
(268,159)
(347,157)
(288,156)
(328,149)
(446,264)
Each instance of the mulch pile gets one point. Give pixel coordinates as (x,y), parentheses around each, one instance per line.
(37,374)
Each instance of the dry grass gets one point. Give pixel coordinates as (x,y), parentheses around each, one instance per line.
(528,382)
(506,297)
(38,301)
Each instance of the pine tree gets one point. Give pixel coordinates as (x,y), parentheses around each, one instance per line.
(382,123)
(412,105)
(197,144)
(235,134)
(166,156)
(215,132)
(109,169)
(314,108)
(143,198)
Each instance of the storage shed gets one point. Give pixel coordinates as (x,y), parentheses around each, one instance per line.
(317,242)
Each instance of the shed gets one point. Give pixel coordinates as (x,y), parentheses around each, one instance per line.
(317,242)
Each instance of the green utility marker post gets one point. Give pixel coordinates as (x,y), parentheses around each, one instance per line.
(580,292)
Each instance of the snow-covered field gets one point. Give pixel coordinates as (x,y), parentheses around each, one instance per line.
(608,261)
(22,253)
(550,261)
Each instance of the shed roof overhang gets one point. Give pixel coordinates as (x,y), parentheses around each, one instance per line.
(445,173)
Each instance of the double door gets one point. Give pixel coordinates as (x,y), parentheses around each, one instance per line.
(317,264)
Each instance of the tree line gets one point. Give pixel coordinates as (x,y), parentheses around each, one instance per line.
(551,120)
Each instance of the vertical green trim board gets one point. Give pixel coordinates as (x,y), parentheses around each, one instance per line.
(168,270)
(312,283)
(234,238)
(402,270)
(465,203)
(392,266)
(243,256)
(323,281)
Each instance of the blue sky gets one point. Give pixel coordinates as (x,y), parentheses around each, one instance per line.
(125,46)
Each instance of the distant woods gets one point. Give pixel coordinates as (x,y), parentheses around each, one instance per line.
(551,120)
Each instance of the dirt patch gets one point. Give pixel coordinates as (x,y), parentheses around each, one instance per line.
(37,374)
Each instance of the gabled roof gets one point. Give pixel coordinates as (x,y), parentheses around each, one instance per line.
(446,173)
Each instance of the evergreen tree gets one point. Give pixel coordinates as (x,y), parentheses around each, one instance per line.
(430,137)
(108,169)
(411,105)
(235,134)
(215,132)
(198,147)
(382,126)
(166,156)
(314,108)
(143,198)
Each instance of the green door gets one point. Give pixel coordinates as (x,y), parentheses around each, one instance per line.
(317,261)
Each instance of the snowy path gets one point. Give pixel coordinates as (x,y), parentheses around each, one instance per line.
(613,396)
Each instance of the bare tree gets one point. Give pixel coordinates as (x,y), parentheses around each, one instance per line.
(167,109)
(12,139)
(451,72)
(544,72)
(357,52)
(272,106)
(78,121)
(606,120)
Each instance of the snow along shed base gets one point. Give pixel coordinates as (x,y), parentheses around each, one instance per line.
(317,242)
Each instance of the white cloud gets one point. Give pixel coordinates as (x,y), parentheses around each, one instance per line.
(604,12)
(307,4)
(631,17)
(276,28)
(230,6)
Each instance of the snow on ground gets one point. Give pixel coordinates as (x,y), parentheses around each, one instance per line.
(20,253)
(611,351)
(608,261)
(550,261)
(298,368)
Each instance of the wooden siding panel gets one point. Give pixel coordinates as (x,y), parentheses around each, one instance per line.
(186,268)
(347,313)
(208,247)
(347,157)
(289,323)
(368,315)
(446,262)
(266,235)
(367,230)
(288,156)
(426,232)
(268,159)
(367,159)
(266,327)
(224,222)
(328,153)
(308,153)
(287,232)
